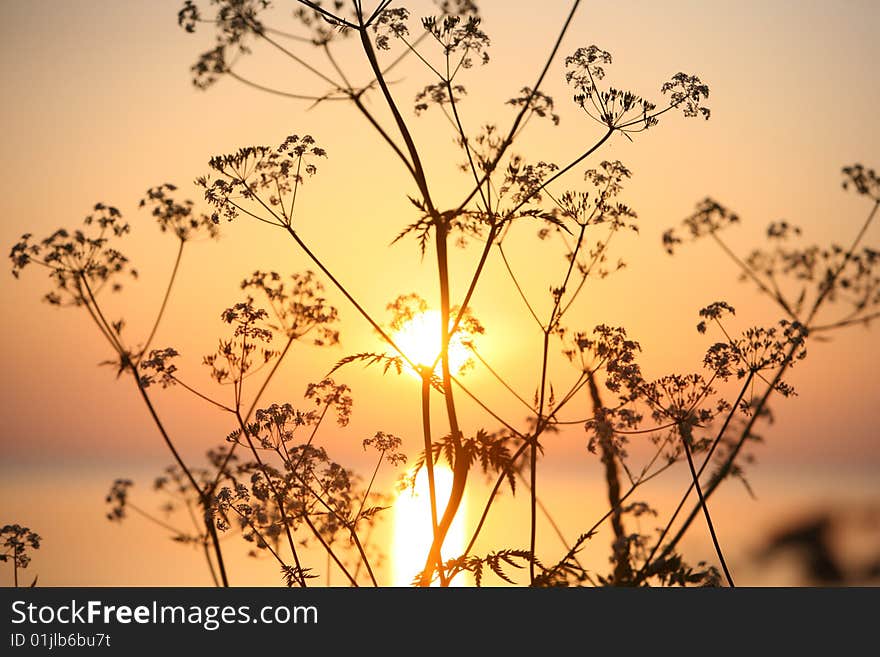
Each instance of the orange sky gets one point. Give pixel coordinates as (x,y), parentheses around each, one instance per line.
(99,107)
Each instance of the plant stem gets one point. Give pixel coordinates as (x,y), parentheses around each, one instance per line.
(826,290)
(496,226)
(533,455)
(126,363)
(209,524)
(762,403)
(347,295)
(508,140)
(706,462)
(734,452)
(279,500)
(164,304)
(620,545)
(429,452)
(385,136)
(329,550)
(460,466)
(419,171)
(350,526)
(686,436)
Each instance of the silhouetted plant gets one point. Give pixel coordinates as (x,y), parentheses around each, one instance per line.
(274,483)
(15,542)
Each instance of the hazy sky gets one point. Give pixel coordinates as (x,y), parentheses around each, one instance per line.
(98,106)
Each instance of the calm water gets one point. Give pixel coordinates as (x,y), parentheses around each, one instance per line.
(65,505)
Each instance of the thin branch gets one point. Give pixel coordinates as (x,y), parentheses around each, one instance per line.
(518,287)
(279,92)
(686,437)
(333,18)
(429,455)
(164,302)
(525,108)
(500,379)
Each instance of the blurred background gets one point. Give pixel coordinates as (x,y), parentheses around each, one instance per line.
(99,106)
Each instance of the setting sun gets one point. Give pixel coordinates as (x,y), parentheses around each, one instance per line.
(419,338)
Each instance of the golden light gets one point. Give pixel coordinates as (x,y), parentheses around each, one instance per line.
(419,338)
(412,527)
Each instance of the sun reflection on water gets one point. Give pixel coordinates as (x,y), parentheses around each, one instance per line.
(412,527)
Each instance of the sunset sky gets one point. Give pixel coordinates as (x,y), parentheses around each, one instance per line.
(99,106)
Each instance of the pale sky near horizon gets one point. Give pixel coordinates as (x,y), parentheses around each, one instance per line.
(98,106)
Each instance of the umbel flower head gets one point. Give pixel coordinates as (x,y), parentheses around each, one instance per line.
(80,263)
(624,110)
(261,181)
(15,541)
(174,216)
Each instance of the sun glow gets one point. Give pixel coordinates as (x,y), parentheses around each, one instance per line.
(419,338)
(412,527)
